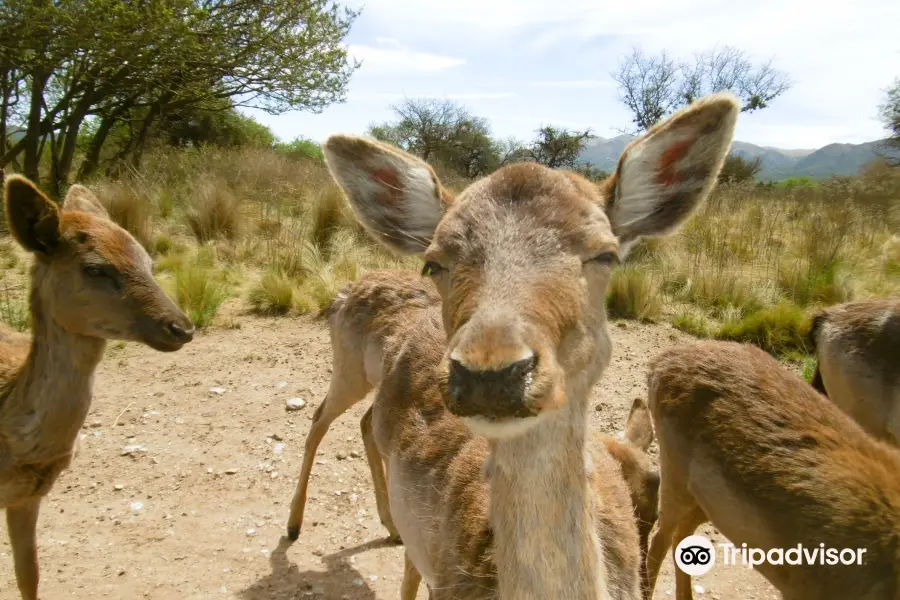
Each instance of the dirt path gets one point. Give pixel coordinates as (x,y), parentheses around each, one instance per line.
(188,463)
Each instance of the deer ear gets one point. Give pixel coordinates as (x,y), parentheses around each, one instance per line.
(639,430)
(81,199)
(33,218)
(396,196)
(667,173)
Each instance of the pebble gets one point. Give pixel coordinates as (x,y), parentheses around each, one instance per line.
(217,390)
(699,589)
(341,455)
(118,487)
(231,471)
(136,506)
(251,531)
(354,454)
(97,424)
(295,404)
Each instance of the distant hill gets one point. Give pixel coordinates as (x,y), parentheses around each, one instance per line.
(777,163)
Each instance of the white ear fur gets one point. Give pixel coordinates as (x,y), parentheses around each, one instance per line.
(665,174)
(396,196)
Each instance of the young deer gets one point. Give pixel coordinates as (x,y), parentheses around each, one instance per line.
(752,448)
(521,260)
(640,476)
(91,281)
(857,345)
(380,308)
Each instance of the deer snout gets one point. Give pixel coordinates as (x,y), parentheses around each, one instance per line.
(491,393)
(181,333)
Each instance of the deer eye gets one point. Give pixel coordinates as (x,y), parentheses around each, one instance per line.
(94,271)
(431,269)
(609,259)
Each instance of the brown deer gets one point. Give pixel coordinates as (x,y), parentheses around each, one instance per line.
(752,448)
(521,260)
(358,337)
(90,281)
(641,478)
(857,345)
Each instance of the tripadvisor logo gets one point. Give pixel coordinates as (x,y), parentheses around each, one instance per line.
(695,555)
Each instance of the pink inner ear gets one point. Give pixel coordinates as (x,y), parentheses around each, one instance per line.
(667,175)
(389,179)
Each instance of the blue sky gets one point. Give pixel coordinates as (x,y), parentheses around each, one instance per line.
(523,63)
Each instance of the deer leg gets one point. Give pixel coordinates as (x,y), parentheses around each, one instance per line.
(21,522)
(411,580)
(376,466)
(677,509)
(343,393)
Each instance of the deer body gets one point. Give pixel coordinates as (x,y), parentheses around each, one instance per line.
(491,482)
(857,345)
(90,281)
(753,449)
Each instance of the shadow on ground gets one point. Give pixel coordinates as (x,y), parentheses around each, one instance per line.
(287,582)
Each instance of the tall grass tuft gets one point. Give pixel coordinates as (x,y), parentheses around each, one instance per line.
(215,212)
(199,292)
(131,208)
(781,330)
(633,294)
(272,296)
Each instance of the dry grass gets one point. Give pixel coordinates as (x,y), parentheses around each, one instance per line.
(750,265)
(131,207)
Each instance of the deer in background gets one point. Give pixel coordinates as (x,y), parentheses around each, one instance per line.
(384,306)
(503,368)
(641,477)
(90,281)
(857,345)
(750,447)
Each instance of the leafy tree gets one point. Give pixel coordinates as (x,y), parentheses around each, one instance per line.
(556,147)
(442,131)
(890,116)
(301,147)
(589,171)
(652,87)
(64,62)
(737,169)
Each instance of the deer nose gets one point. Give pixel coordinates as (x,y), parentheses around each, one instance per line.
(180,334)
(491,393)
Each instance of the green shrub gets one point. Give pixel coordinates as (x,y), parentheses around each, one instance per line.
(200,293)
(779,330)
(273,295)
(633,294)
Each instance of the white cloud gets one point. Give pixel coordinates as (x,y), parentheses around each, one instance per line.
(390,56)
(430,95)
(573,83)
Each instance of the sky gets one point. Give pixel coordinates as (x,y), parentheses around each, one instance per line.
(524,63)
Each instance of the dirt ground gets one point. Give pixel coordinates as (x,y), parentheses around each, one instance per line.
(188,462)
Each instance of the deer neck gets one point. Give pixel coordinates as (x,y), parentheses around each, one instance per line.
(542,511)
(52,393)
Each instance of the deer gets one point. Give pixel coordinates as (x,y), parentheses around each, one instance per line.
(641,477)
(90,281)
(752,448)
(480,417)
(358,352)
(856,346)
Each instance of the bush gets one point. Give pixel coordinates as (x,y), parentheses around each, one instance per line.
(779,330)
(301,147)
(216,212)
(633,294)
(200,293)
(272,296)
(737,169)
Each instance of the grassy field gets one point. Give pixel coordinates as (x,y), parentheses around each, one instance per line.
(274,232)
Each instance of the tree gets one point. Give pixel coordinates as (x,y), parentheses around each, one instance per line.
(737,169)
(63,63)
(652,87)
(890,116)
(442,131)
(557,147)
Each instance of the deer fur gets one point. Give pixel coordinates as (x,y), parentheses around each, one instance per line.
(381,308)
(90,281)
(521,260)
(752,448)
(857,345)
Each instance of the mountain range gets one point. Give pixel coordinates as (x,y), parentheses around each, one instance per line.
(777,163)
